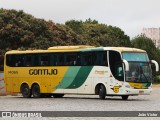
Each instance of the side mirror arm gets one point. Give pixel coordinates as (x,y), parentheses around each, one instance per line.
(156,64)
(126,65)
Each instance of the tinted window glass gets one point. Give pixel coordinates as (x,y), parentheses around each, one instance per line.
(132,56)
(71,59)
(15,60)
(44,59)
(86,59)
(29,60)
(100,58)
(59,59)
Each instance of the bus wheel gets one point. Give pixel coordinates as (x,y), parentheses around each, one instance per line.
(124,97)
(102,92)
(26,92)
(36,91)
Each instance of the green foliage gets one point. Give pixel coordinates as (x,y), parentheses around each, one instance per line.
(18,29)
(93,33)
(63,34)
(146,44)
(157,79)
(21,30)
(76,26)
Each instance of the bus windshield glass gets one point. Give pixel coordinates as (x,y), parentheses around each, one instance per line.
(139,67)
(133,56)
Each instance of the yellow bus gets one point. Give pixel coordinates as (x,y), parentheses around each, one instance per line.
(103,71)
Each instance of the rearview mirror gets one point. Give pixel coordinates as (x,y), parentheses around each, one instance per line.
(156,64)
(126,65)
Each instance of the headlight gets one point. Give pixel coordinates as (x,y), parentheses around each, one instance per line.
(128,86)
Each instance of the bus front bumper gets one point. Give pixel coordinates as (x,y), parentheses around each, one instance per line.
(138,91)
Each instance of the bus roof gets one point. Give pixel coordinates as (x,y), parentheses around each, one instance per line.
(77,48)
(69,47)
(124,49)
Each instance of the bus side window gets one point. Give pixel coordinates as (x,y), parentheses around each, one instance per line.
(29,60)
(71,59)
(11,60)
(116,64)
(8,60)
(59,59)
(19,60)
(44,60)
(119,71)
(100,58)
(95,58)
(78,59)
(86,59)
(51,60)
(104,59)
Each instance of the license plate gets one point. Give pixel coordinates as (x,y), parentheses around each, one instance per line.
(141,92)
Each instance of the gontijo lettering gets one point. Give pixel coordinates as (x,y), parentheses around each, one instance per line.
(43,72)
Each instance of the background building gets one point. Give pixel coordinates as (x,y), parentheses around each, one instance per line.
(154,34)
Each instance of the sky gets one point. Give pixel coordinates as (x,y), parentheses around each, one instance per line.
(129,15)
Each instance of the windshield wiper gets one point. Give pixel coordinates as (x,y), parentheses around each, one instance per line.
(142,73)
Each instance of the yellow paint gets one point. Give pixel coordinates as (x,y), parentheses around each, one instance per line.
(19,75)
(70,47)
(137,85)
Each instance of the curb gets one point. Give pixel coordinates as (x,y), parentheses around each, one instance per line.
(7,93)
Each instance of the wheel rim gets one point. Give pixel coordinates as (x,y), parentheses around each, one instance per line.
(100,92)
(36,91)
(25,91)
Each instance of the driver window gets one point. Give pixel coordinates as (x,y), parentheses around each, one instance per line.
(115,63)
(119,72)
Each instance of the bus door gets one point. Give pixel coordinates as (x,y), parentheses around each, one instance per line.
(117,72)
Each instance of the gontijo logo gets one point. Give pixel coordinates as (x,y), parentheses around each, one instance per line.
(43,72)
(100,72)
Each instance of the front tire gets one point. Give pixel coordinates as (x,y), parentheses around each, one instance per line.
(26,92)
(102,92)
(36,91)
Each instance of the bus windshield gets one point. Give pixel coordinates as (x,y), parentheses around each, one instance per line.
(133,56)
(139,67)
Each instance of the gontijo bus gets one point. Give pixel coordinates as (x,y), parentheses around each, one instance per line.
(104,71)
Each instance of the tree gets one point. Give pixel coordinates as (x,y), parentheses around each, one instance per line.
(63,34)
(93,33)
(75,25)
(18,29)
(142,42)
